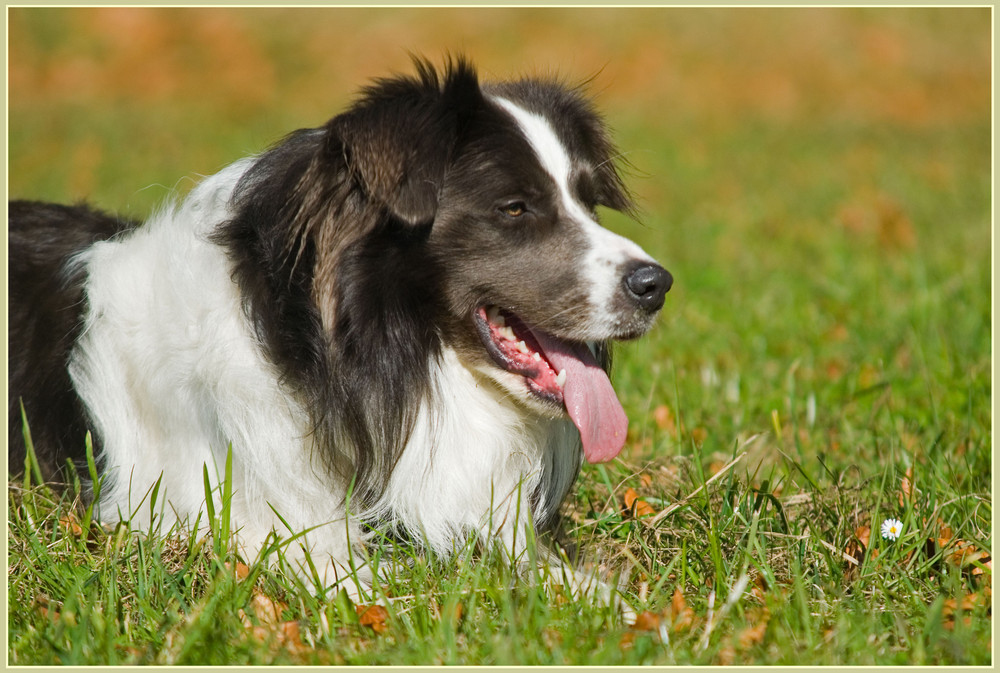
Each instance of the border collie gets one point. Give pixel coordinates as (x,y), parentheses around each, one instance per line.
(397,320)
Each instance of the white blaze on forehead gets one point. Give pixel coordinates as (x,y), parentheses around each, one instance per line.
(603,263)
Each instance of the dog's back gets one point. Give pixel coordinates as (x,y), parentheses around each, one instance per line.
(45,302)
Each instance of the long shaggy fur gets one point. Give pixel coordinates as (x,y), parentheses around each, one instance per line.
(326,310)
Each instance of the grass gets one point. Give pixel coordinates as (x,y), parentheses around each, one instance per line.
(823,362)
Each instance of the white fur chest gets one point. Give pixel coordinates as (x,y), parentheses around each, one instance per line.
(476,463)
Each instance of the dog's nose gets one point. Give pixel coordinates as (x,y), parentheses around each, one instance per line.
(648,284)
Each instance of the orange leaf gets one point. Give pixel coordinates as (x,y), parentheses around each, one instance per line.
(752,635)
(647,621)
(627,641)
(681,614)
(636,507)
(664,419)
(268,612)
(968,603)
(241,570)
(863,533)
(291,637)
(373,616)
(727,655)
(964,553)
(70,524)
(906,488)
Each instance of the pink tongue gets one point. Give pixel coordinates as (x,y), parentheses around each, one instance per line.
(590,400)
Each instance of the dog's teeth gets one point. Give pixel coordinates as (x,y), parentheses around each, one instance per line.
(493,315)
(521,346)
(507,333)
(537,357)
(561,378)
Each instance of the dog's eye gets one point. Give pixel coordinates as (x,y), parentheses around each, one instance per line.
(514,209)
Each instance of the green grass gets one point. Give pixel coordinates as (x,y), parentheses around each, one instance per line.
(830,327)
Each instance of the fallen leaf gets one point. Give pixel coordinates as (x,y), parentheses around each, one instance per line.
(664,419)
(241,570)
(966,553)
(290,636)
(647,621)
(906,488)
(373,616)
(268,612)
(857,546)
(69,523)
(751,636)
(968,603)
(863,533)
(681,615)
(726,655)
(636,507)
(627,640)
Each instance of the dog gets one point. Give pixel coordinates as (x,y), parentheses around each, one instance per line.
(399,320)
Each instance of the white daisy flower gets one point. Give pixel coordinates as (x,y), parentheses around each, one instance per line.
(891,528)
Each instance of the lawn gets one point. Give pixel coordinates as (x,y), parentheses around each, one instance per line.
(818,181)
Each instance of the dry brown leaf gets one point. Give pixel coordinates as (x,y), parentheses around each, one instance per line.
(241,570)
(70,524)
(247,624)
(966,553)
(268,612)
(906,488)
(627,640)
(647,621)
(645,480)
(863,533)
(373,616)
(727,655)
(664,419)
(759,588)
(636,507)
(751,636)
(856,548)
(290,636)
(681,614)
(969,602)
(944,534)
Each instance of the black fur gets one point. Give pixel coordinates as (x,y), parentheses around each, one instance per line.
(45,294)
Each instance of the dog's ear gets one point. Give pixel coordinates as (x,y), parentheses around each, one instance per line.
(398,139)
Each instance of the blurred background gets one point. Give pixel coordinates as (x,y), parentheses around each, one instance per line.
(818,180)
(102,100)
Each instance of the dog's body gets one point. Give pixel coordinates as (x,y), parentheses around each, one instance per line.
(397,318)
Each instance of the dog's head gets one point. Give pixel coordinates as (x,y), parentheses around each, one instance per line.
(439,211)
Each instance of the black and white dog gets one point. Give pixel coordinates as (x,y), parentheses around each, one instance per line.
(398,318)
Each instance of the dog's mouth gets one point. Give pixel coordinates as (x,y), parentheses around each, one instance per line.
(561,373)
